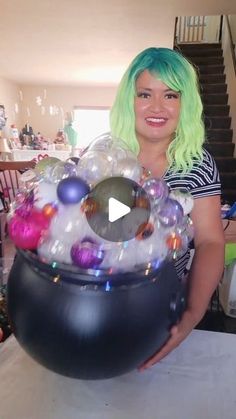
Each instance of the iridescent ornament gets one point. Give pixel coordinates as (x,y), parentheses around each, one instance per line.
(156,188)
(170,213)
(71,190)
(87,254)
(184,198)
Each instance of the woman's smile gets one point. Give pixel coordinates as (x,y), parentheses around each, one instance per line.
(157,109)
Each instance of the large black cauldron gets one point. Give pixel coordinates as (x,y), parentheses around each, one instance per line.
(87,326)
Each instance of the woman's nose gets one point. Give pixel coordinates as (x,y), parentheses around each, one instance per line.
(156,104)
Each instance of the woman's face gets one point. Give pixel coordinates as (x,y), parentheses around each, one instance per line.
(157,109)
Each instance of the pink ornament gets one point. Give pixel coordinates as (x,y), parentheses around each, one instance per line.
(26,232)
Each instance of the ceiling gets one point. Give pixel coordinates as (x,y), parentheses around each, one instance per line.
(70,42)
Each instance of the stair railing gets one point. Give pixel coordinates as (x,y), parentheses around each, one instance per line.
(232,46)
(191,29)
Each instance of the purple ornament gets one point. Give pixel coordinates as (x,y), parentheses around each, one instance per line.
(157,189)
(87,254)
(71,190)
(170,213)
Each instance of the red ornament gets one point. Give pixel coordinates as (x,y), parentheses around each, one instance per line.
(49,210)
(174,242)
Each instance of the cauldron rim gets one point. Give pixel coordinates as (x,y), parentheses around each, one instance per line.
(93,277)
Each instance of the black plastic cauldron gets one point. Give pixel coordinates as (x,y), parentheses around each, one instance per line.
(87,325)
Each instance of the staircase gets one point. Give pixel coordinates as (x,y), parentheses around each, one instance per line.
(219,142)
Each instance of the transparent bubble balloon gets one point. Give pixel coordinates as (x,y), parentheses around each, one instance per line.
(59,171)
(69,224)
(177,244)
(121,258)
(130,168)
(94,166)
(45,193)
(186,227)
(44,164)
(151,249)
(107,142)
(55,250)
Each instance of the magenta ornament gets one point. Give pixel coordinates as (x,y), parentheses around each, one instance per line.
(87,254)
(27,232)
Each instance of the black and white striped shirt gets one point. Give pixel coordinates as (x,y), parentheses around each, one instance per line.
(203,180)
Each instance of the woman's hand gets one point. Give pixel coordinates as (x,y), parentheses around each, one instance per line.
(178,334)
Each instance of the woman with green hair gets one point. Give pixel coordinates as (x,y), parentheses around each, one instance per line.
(158,113)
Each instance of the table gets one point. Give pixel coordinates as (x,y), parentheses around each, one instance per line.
(195,381)
(20,155)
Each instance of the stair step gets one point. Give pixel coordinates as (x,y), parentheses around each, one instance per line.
(228,180)
(217,122)
(200,45)
(226,164)
(199,60)
(218,149)
(228,196)
(213,88)
(212,78)
(215,98)
(211,69)
(216,110)
(219,135)
(201,52)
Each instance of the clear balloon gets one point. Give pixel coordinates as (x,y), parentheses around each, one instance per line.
(94,166)
(54,250)
(59,171)
(130,168)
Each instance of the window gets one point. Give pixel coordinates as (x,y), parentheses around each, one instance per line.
(90,123)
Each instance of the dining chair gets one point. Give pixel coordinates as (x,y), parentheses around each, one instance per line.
(10,172)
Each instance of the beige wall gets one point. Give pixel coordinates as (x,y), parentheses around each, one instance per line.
(9,97)
(63,99)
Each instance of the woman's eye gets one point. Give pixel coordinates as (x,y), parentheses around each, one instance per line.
(172,95)
(143,95)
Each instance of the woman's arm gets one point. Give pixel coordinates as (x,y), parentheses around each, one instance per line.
(205,273)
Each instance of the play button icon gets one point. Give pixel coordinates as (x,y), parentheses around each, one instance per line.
(118,209)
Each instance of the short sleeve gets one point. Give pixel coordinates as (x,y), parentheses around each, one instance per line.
(202,180)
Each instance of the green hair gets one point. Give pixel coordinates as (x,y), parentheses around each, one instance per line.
(179,75)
